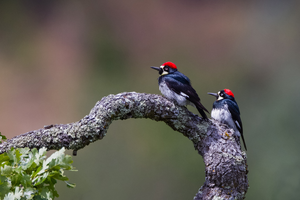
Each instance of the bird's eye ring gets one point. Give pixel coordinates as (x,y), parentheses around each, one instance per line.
(166,68)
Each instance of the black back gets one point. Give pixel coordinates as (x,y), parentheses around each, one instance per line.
(179,83)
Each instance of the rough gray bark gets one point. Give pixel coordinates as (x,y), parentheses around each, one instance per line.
(226,165)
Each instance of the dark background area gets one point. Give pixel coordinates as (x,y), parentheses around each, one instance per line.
(57,59)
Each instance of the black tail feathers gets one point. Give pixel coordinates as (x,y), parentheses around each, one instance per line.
(201,110)
(244,141)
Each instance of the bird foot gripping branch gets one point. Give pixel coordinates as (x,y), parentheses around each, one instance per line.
(226,110)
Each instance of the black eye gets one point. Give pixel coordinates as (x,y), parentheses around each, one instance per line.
(221,94)
(166,68)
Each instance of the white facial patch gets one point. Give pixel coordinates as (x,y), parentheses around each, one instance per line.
(164,72)
(219,97)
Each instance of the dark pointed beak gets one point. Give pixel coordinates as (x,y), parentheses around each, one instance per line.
(156,68)
(160,70)
(213,94)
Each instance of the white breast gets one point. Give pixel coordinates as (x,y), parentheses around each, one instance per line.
(224,116)
(169,94)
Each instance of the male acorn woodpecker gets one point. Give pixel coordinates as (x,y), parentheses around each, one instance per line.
(177,87)
(226,110)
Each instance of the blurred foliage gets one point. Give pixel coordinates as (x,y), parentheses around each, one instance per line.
(27,174)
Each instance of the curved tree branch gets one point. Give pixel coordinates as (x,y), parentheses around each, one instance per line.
(226,165)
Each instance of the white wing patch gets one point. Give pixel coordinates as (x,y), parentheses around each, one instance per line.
(185,95)
(237,123)
(181,99)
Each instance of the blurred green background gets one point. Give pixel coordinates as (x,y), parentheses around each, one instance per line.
(57,59)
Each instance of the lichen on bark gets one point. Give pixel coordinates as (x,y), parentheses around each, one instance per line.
(225,162)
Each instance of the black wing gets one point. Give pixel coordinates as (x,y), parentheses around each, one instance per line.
(188,92)
(235,113)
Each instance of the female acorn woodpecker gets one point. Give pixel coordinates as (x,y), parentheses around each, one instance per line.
(177,87)
(226,110)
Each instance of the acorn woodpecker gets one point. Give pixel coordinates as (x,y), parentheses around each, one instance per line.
(226,110)
(177,87)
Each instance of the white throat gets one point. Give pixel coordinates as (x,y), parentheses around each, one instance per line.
(220,98)
(164,72)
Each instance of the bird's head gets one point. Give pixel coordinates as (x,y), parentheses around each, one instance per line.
(166,68)
(223,94)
